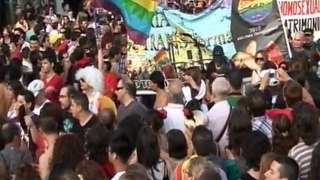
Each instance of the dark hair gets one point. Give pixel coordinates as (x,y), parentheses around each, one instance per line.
(148,150)
(55,111)
(203,142)
(71,90)
(28,97)
(62,172)
(289,168)
(9,131)
(34,38)
(96,143)
(90,170)
(285,135)
(50,56)
(120,145)
(48,125)
(292,93)
(235,79)
(211,174)
(153,119)
(261,145)
(114,50)
(16,87)
(193,105)
(34,57)
(78,53)
(131,126)
(239,126)
(25,52)
(257,103)
(298,76)
(158,78)
(306,120)
(15,70)
(177,144)
(109,120)
(26,171)
(315,163)
(68,150)
(264,54)
(81,100)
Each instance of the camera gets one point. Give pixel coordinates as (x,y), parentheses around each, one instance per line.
(273,77)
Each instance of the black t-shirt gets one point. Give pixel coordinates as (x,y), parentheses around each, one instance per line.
(81,131)
(301,55)
(69,122)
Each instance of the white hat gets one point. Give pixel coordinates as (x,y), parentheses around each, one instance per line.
(36,86)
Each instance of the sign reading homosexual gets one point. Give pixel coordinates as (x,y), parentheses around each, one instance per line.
(298,15)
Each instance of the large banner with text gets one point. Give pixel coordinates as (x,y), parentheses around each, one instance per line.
(298,15)
(239,26)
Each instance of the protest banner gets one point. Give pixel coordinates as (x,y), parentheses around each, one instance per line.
(298,15)
(177,38)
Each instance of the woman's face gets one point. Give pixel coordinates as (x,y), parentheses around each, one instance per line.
(5,32)
(83,85)
(153,86)
(260,59)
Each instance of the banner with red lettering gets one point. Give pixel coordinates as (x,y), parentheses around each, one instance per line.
(298,15)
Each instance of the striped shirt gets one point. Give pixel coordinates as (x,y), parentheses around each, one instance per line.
(302,154)
(262,124)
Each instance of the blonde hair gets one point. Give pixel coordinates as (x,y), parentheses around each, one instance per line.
(199,164)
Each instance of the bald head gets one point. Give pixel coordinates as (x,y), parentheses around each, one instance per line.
(298,41)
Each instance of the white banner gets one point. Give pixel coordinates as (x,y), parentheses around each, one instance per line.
(298,15)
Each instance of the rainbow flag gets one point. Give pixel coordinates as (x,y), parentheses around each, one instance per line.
(138,15)
(160,56)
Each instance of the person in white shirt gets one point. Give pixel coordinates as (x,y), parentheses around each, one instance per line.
(175,116)
(219,113)
(119,152)
(37,87)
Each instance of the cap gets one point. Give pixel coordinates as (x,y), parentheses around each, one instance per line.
(218,51)
(54,37)
(36,86)
(308,31)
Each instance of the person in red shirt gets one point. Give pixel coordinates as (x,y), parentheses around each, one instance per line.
(53,82)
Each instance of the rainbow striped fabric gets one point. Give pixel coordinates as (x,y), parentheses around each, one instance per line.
(138,15)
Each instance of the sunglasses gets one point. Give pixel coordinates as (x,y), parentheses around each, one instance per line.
(259,59)
(82,80)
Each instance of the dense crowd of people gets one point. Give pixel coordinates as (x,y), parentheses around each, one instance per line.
(70,112)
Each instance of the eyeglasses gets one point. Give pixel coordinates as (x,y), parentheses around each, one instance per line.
(119,88)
